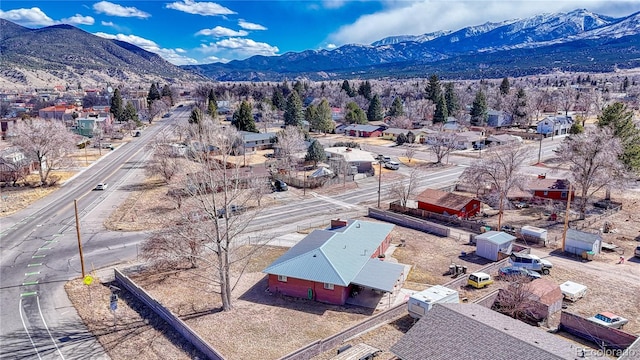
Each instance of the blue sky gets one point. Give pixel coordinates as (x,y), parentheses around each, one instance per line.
(200,32)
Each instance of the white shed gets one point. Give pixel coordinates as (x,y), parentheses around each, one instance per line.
(489,244)
(577,242)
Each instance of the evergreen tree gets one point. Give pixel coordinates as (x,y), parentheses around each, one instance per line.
(354,114)
(520,111)
(620,119)
(130,113)
(310,115)
(154,94)
(243,118)
(277,99)
(116,107)
(315,153)
(401,139)
(323,121)
(576,128)
(166,92)
(397,108)
(453,104)
(293,114)
(479,112)
(347,88)
(440,115)
(505,87)
(298,87)
(375,113)
(196,116)
(411,137)
(365,90)
(434,92)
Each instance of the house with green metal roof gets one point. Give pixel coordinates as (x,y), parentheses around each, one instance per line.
(327,264)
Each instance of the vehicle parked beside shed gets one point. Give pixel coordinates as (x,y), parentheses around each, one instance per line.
(532,234)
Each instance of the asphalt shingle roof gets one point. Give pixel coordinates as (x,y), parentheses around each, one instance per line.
(473,332)
(444,199)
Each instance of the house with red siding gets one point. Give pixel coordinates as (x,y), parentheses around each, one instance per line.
(555,189)
(363,130)
(327,264)
(447,203)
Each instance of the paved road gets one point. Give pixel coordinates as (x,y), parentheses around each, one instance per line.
(39,254)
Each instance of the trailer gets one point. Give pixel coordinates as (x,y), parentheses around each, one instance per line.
(573,291)
(533,234)
(421,302)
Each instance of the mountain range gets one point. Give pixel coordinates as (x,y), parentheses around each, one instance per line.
(575,41)
(64,53)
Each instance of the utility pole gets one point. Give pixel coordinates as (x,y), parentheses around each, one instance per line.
(379,181)
(540,150)
(566,218)
(75,204)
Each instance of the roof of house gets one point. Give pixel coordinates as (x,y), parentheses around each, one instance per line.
(333,256)
(350,154)
(496,237)
(396,131)
(469,136)
(473,332)
(547,184)
(444,199)
(577,235)
(251,136)
(365,128)
(504,138)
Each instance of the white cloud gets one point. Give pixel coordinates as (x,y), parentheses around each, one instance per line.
(27,17)
(213,59)
(105,7)
(240,47)
(108,23)
(424,16)
(180,51)
(333,4)
(220,31)
(171,55)
(200,8)
(250,26)
(78,19)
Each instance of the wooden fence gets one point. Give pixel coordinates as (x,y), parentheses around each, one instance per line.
(599,334)
(410,222)
(474,226)
(180,326)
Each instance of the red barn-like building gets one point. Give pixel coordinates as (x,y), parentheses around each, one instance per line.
(443,202)
(326,264)
(556,189)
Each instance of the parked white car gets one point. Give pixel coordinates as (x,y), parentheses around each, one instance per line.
(608,319)
(392,165)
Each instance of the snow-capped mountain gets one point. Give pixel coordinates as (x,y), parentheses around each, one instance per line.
(553,36)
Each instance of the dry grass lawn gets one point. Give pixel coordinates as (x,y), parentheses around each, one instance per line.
(14,199)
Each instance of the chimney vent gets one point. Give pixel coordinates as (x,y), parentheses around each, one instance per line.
(338,223)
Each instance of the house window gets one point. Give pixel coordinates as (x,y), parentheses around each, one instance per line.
(564,194)
(546,193)
(475,205)
(328,286)
(282,278)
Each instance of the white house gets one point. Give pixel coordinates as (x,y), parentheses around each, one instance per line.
(554,125)
(489,244)
(356,159)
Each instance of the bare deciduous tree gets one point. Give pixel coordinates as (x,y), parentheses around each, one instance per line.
(165,158)
(48,141)
(499,169)
(593,159)
(290,143)
(515,300)
(405,189)
(215,209)
(441,144)
(409,153)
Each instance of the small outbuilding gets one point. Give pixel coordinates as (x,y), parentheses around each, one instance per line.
(447,203)
(545,296)
(490,244)
(579,242)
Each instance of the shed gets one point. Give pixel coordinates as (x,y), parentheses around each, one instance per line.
(546,297)
(447,203)
(489,244)
(534,234)
(578,242)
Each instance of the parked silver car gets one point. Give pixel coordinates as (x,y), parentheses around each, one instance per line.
(608,319)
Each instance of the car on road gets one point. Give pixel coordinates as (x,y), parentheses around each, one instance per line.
(391,165)
(233,210)
(513,272)
(608,319)
(101,186)
(279,185)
